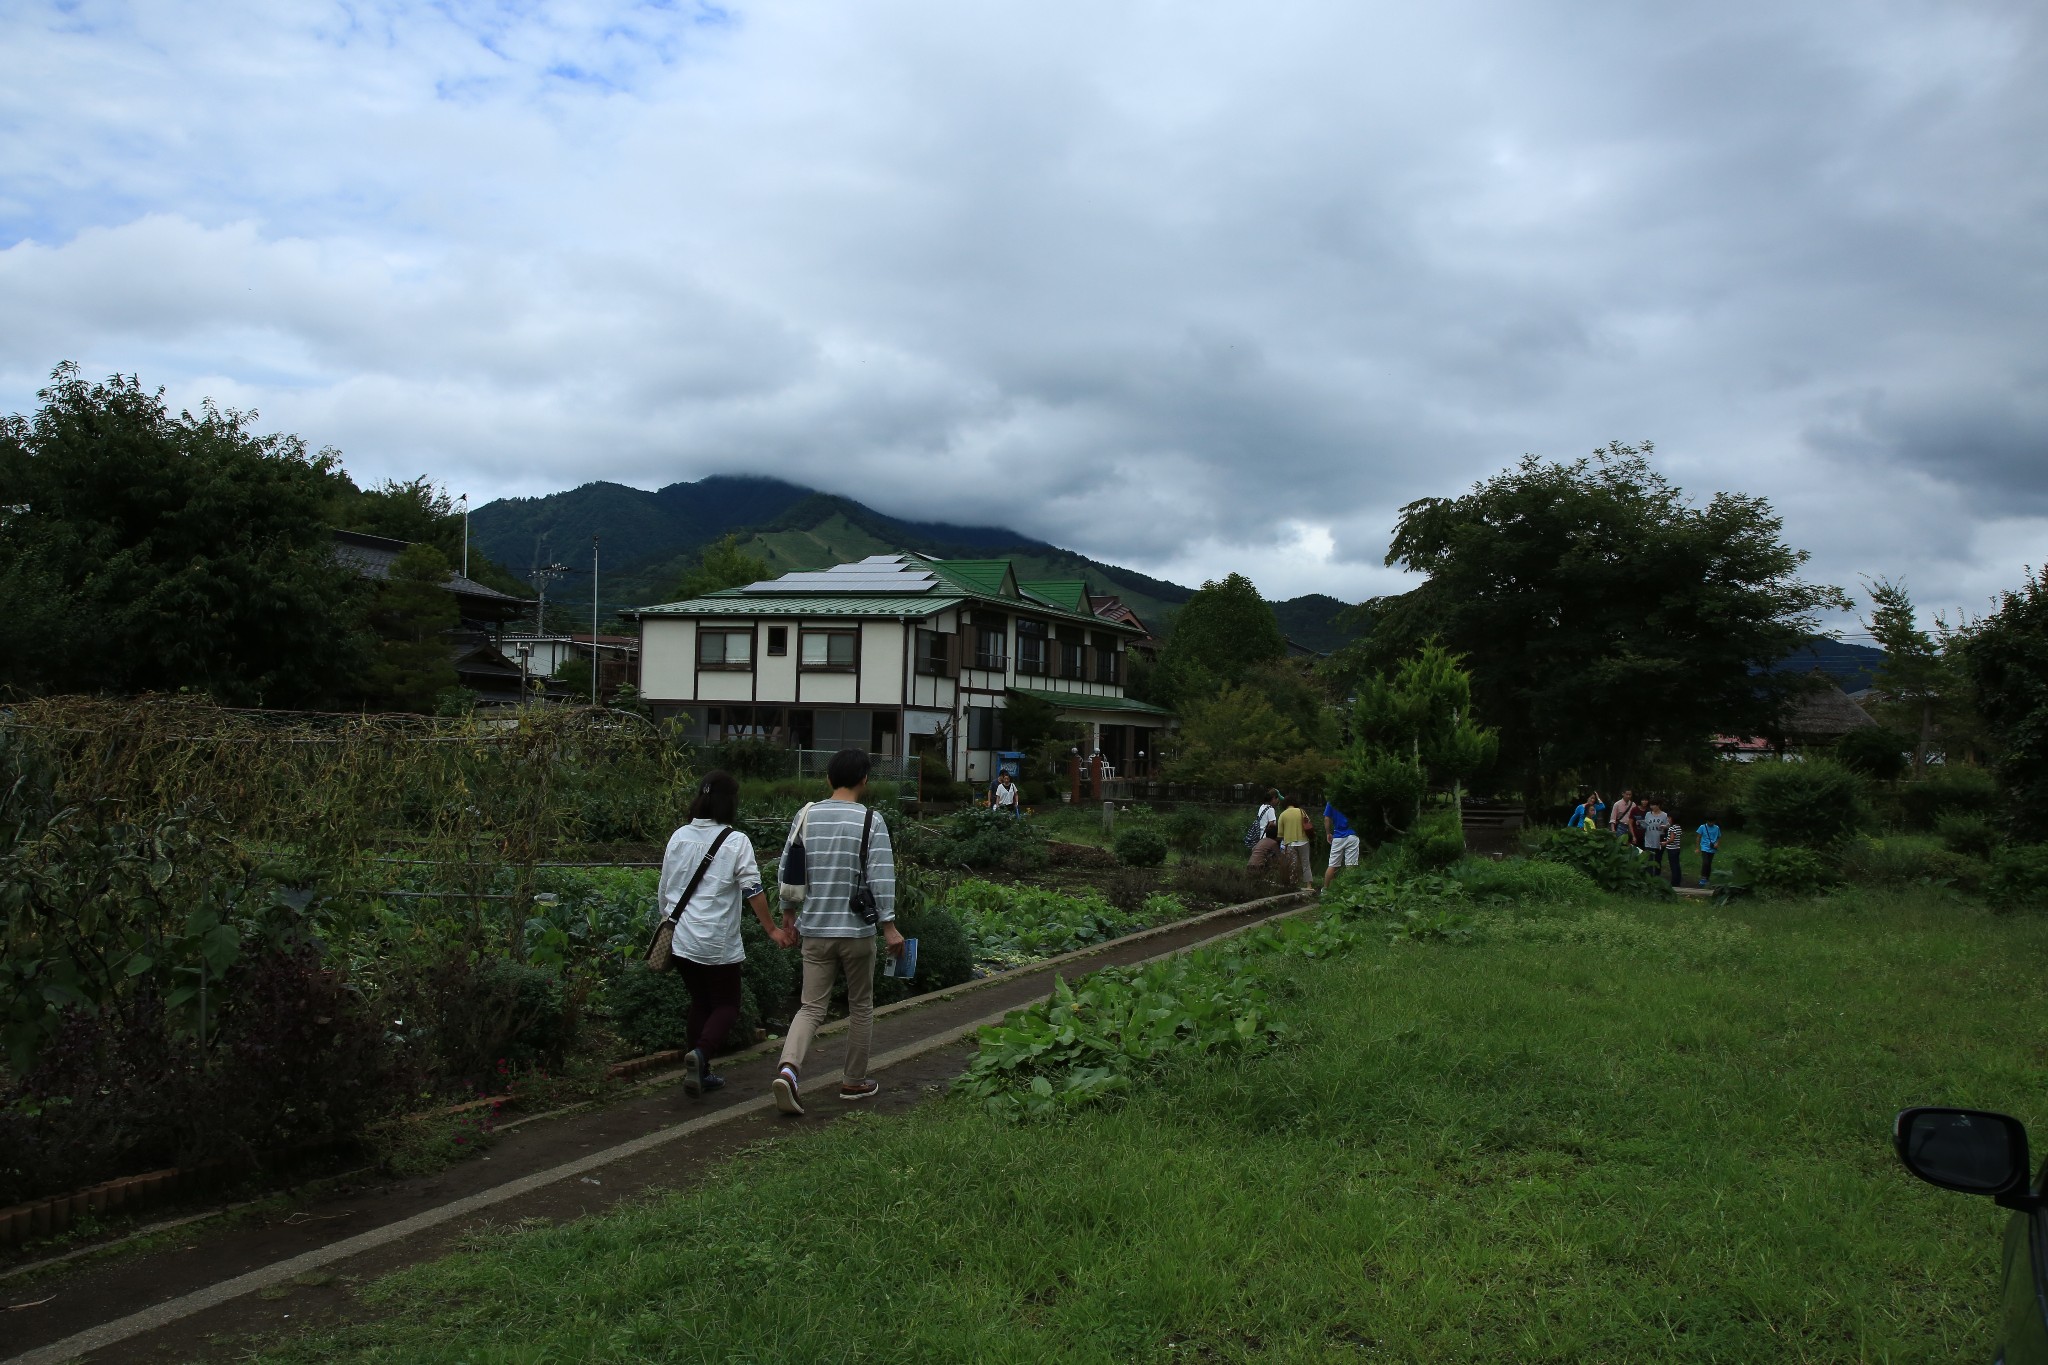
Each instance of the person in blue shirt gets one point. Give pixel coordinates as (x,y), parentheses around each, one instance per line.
(1710,842)
(1587,811)
(1343,843)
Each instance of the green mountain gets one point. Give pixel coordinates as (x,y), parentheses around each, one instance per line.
(648,539)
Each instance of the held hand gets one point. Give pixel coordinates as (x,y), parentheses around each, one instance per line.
(893,937)
(784,938)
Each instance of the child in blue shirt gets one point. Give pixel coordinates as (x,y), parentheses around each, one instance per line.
(1710,841)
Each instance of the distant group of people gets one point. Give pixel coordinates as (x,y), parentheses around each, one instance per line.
(1280,837)
(1651,830)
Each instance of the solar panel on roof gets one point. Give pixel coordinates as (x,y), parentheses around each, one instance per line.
(875,574)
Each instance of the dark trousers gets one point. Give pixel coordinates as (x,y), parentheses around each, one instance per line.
(1677,857)
(1656,859)
(714,1003)
(1706,867)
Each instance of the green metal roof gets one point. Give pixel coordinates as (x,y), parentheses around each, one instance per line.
(765,605)
(1071,593)
(986,576)
(1077,701)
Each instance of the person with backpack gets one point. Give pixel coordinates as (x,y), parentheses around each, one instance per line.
(1622,817)
(847,889)
(1268,813)
(707,874)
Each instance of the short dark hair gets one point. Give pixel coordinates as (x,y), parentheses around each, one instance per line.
(848,769)
(718,798)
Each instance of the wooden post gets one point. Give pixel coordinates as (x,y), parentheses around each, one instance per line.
(1095,770)
(1074,777)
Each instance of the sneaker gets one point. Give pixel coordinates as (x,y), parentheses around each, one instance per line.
(787,1097)
(713,1081)
(693,1073)
(1703,881)
(858,1090)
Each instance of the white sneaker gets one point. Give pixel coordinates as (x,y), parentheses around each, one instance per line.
(787,1097)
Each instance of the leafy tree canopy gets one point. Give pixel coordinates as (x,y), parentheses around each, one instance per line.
(420,511)
(411,613)
(722,565)
(1413,733)
(2005,656)
(1237,735)
(1223,632)
(1925,694)
(142,551)
(1602,615)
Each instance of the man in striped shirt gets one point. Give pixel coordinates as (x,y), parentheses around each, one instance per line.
(837,941)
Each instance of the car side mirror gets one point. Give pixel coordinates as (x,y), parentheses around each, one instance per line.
(1969,1150)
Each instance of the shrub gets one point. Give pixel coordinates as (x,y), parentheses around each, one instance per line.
(2019,877)
(1787,871)
(771,977)
(1436,843)
(1128,888)
(1945,789)
(984,840)
(1970,833)
(1876,751)
(649,1010)
(1525,880)
(945,955)
(1806,805)
(1607,862)
(1906,860)
(1140,848)
(1226,884)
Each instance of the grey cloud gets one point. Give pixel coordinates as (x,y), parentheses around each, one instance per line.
(1191,292)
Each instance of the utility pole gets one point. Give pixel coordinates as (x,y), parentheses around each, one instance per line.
(465,535)
(596,659)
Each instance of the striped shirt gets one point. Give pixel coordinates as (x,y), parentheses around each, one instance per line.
(831,859)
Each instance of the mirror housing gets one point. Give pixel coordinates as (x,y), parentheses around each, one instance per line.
(1970,1150)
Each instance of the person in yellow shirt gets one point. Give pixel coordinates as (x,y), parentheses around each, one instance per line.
(1294,828)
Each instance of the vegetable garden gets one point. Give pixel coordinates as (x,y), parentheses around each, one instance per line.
(235,936)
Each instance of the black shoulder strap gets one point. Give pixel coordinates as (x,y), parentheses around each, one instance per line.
(676,910)
(867,827)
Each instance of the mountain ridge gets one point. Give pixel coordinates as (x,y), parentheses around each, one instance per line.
(647,539)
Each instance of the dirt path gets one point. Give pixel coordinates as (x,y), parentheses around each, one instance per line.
(202,1297)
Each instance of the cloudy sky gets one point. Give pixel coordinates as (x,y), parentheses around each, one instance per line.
(1188,287)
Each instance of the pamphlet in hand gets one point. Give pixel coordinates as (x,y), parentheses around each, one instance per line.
(905,966)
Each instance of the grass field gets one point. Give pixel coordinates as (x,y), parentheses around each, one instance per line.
(1607,1132)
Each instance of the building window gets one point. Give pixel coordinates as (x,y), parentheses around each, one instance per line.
(934,654)
(778,640)
(1031,643)
(984,727)
(988,647)
(1070,659)
(1107,659)
(830,651)
(727,649)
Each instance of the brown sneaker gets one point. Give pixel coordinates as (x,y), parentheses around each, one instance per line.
(858,1090)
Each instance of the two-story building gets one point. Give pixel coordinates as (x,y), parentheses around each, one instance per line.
(895,654)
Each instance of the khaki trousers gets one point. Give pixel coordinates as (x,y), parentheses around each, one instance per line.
(826,960)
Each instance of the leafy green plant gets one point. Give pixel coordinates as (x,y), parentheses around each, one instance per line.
(1947,789)
(1907,860)
(1791,872)
(1970,833)
(1140,847)
(1806,805)
(2019,877)
(1436,842)
(1525,881)
(649,1010)
(1608,863)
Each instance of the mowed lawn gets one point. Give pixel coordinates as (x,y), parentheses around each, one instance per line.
(1606,1132)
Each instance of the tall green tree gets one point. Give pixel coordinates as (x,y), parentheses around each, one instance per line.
(722,565)
(146,551)
(1219,636)
(1925,693)
(412,613)
(421,511)
(2005,657)
(1236,735)
(1413,733)
(1604,617)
